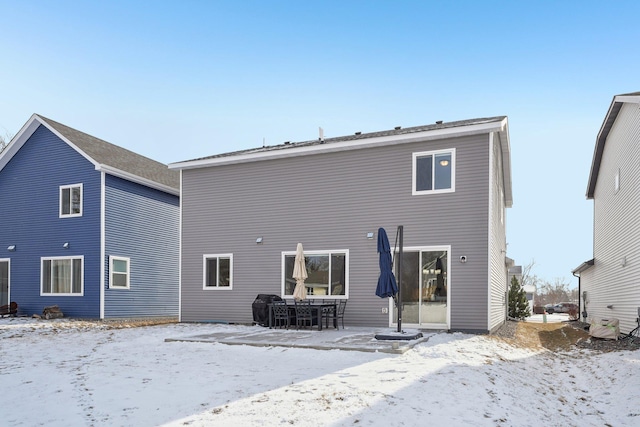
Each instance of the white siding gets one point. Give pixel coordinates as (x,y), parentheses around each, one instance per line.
(617,225)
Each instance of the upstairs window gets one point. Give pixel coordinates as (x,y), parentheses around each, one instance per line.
(433,172)
(218,271)
(70,200)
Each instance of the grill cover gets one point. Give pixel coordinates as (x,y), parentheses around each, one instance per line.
(261,309)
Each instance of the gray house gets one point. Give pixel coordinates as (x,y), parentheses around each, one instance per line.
(447,184)
(609,281)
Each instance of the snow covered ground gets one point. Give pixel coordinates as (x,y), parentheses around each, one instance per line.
(86,374)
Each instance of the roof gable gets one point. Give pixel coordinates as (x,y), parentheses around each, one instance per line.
(105,156)
(607,124)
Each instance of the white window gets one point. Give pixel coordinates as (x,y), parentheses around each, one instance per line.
(70,200)
(327,271)
(119,272)
(433,172)
(217,271)
(62,276)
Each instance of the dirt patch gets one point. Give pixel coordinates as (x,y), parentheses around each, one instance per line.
(555,336)
(119,323)
(562,336)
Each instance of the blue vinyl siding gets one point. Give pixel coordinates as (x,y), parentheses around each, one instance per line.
(142,224)
(29,207)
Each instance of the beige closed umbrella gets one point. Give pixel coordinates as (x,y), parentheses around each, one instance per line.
(300,274)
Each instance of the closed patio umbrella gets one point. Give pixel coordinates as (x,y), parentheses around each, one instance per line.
(300,274)
(387,286)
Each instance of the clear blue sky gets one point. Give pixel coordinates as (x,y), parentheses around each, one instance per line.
(185,79)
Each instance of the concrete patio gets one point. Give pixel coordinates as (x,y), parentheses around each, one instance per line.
(350,338)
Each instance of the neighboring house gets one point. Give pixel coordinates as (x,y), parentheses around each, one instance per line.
(86,225)
(447,184)
(609,282)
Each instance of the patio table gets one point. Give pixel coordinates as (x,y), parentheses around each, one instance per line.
(316,306)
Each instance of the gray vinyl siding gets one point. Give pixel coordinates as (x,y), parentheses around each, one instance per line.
(617,225)
(330,201)
(586,285)
(498,244)
(142,224)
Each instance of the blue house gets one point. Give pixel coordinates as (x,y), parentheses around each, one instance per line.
(86,225)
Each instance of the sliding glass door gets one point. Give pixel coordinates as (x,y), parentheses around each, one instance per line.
(425,287)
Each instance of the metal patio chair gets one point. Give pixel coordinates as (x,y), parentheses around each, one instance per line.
(281,314)
(304,314)
(338,315)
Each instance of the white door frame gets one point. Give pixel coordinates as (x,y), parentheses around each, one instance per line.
(447,323)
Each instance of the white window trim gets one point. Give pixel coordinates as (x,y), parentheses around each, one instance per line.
(70,215)
(433,153)
(111,272)
(205,257)
(616,182)
(327,252)
(54,258)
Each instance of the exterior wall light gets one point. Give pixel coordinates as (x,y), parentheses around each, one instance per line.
(66,245)
(12,248)
(370,235)
(259,240)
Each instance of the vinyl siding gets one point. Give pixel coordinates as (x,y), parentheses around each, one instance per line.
(586,285)
(616,225)
(497,244)
(330,201)
(29,208)
(142,224)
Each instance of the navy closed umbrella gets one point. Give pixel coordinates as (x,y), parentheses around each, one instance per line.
(387,286)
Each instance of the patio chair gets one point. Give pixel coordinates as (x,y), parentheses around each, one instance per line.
(305,314)
(342,304)
(328,312)
(281,314)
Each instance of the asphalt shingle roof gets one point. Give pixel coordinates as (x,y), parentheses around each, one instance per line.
(358,136)
(116,157)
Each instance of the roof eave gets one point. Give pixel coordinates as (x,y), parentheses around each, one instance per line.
(607,124)
(582,267)
(478,128)
(506,163)
(25,133)
(137,179)
(32,125)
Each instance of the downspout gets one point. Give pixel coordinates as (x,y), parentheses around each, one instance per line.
(578,276)
(582,313)
(578,273)
(400,232)
(102,241)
